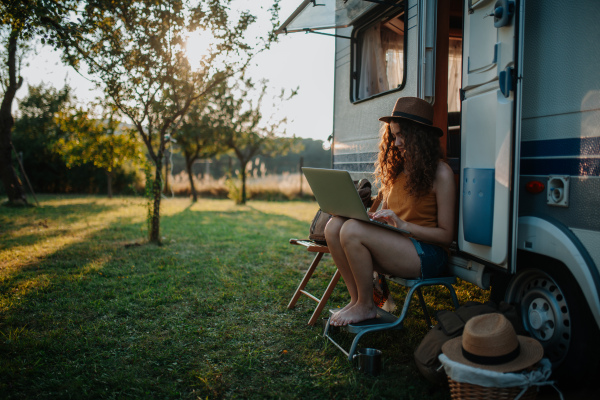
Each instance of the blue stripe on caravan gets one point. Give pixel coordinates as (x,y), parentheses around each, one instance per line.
(561,166)
(561,147)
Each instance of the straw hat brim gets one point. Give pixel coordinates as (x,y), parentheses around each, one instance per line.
(433,129)
(531,352)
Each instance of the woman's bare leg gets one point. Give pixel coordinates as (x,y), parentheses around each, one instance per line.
(364,244)
(332,235)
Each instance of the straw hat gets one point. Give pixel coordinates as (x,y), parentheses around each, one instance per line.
(489,342)
(416,110)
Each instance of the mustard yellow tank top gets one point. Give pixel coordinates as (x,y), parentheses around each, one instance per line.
(420,211)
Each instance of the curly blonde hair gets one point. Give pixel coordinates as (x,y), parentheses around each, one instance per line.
(422,148)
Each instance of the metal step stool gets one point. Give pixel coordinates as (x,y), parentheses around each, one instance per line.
(385,320)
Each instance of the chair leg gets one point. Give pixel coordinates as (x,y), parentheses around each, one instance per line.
(305,280)
(325,297)
(424,307)
(453,294)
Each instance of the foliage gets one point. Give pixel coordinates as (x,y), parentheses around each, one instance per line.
(136,49)
(102,140)
(313,155)
(245,131)
(19,22)
(234,188)
(51,20)
(197,135)
(87,311)
(39,129)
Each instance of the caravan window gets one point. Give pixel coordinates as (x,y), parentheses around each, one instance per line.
(379,56)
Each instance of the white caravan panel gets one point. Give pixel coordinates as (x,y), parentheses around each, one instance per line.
(487,214)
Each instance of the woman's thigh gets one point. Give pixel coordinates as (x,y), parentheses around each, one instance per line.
(392,253)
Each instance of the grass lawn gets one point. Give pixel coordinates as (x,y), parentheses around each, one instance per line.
(88,309)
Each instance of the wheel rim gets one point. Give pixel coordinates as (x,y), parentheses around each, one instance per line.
(544,311)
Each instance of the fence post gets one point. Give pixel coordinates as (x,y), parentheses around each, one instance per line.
(300,168)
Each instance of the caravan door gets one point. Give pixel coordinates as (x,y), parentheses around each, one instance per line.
(490,126)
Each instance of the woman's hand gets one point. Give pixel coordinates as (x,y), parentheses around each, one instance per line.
(389,217)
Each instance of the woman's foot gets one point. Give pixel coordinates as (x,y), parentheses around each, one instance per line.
(337,313)
(357,313)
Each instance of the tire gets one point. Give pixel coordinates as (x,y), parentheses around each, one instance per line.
(555,313)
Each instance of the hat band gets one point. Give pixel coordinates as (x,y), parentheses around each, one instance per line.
(412,116)
(492,360)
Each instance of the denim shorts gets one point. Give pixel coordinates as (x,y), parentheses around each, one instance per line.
(433,259)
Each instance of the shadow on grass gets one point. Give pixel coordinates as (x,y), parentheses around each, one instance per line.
(40,223)
(204,315)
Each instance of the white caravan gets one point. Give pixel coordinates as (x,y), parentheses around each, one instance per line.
(516,88)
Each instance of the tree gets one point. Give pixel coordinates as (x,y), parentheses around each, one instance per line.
(36,133)
(136,49)
(247,133)
(197,136)
(102,140)
(20,21)
(39,127)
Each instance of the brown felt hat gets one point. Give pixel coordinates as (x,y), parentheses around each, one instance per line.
(489,342)
(416,110)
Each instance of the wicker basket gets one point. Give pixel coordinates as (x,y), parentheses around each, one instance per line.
(468,391)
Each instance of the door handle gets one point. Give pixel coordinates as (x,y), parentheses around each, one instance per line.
(506,81)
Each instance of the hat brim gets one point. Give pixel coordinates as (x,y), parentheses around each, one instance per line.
(530,353)
(433,129)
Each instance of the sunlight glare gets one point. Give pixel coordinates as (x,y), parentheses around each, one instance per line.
(198,46)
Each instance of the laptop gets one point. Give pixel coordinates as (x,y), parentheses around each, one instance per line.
(336,194)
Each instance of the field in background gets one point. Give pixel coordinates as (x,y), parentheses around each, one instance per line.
(89,310)
(260,186)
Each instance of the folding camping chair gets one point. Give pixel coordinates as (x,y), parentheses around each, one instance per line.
(320,250)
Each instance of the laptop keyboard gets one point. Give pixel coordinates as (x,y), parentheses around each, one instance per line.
(379,222)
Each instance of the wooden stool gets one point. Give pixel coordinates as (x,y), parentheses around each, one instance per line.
(320,250)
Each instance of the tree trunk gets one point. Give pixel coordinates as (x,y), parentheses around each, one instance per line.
(12,184)
(156,192)
(188,167)
(166,188)
(109,176)
(243,177)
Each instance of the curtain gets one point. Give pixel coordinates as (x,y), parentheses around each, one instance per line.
(395,61)
(393,43)
(373,74)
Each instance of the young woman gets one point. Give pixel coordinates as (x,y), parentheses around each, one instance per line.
(418,196)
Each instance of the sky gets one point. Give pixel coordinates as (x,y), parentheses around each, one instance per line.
(298,60)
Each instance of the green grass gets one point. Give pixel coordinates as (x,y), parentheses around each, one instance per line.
(88,309)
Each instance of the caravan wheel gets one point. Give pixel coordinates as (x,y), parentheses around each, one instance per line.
(555,313)
(544,310)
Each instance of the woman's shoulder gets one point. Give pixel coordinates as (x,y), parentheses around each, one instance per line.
(444,171)
(444,177)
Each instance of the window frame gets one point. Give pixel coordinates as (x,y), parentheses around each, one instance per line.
(371,19)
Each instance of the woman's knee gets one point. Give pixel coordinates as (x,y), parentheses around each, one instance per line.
(333,227)
(352,230)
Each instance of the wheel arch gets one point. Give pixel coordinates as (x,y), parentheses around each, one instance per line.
(554,240)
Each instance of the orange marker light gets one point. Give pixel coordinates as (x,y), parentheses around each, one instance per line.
(534,187)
